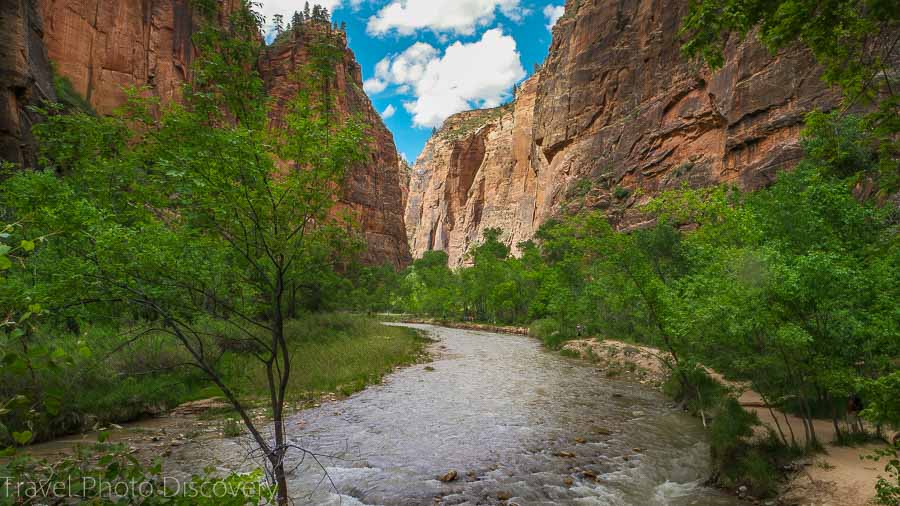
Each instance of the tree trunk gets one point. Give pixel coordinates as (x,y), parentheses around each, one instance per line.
(790,428)
(775,418)
(278,389)
(807,412)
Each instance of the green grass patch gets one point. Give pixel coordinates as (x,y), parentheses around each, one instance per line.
(549,331)
(336,352)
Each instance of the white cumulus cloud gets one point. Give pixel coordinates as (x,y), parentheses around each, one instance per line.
(474,75)
(388,111)
(440,16)
(374,86)
(553,13)
(401,69)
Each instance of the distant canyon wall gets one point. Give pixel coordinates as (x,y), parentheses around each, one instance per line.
(25,78)
(615,109)
(103,46)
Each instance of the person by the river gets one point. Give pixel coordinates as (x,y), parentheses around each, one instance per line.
(854,407)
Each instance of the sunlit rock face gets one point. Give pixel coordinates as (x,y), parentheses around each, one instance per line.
(372,191)
(615,116)
(475,173)
(104,46)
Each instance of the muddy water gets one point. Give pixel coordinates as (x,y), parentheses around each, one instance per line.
(516,422)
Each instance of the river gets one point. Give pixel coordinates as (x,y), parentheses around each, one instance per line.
(516,422)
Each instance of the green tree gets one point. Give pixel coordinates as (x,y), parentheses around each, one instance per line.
(205,211)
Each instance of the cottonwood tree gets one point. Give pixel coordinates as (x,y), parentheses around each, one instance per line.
(206,213)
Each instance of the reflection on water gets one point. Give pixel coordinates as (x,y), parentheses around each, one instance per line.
(517,423)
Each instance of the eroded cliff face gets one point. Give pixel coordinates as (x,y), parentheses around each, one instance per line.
(25,76)
(373,190)
(617,109)
(475,173)
(104,46)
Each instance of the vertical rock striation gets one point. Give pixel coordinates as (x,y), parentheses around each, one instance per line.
(372,190)
(615,109)
(25,76)
(475,173)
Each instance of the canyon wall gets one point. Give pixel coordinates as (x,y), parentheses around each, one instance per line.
(475,173)
(615,115)
(372,191)
(103,46)
(25,77)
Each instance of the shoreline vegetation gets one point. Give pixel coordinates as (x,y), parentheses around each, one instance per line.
(837,474)
(791,289)
(193,249)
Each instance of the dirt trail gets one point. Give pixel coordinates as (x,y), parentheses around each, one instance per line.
(838,477)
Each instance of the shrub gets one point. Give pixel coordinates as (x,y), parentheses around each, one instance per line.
(549,331)
(67,95)
(232,428)
(738,460)
(887,489)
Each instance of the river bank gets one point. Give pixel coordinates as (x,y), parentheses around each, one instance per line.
(482,327)
(609,392)
(340,354)
(513,422)
(837,476)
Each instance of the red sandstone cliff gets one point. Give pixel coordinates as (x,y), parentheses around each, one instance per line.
(615,109)
(102,46)
(373,190)
(25,77)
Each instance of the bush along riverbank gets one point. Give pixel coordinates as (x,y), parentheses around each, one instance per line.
(342,353)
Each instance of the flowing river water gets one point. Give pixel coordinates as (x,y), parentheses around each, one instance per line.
(516,422)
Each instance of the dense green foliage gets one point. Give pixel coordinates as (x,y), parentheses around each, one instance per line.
(122,377)
(172,252)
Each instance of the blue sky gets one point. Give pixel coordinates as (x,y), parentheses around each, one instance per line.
(423,60)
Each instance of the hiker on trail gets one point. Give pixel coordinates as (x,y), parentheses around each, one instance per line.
(579,329)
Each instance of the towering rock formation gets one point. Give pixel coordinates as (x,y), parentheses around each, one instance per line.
(25,76)
(615,109)
(373,190)
(475,173)
(103,46)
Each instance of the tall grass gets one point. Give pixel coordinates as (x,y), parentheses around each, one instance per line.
(332,352)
